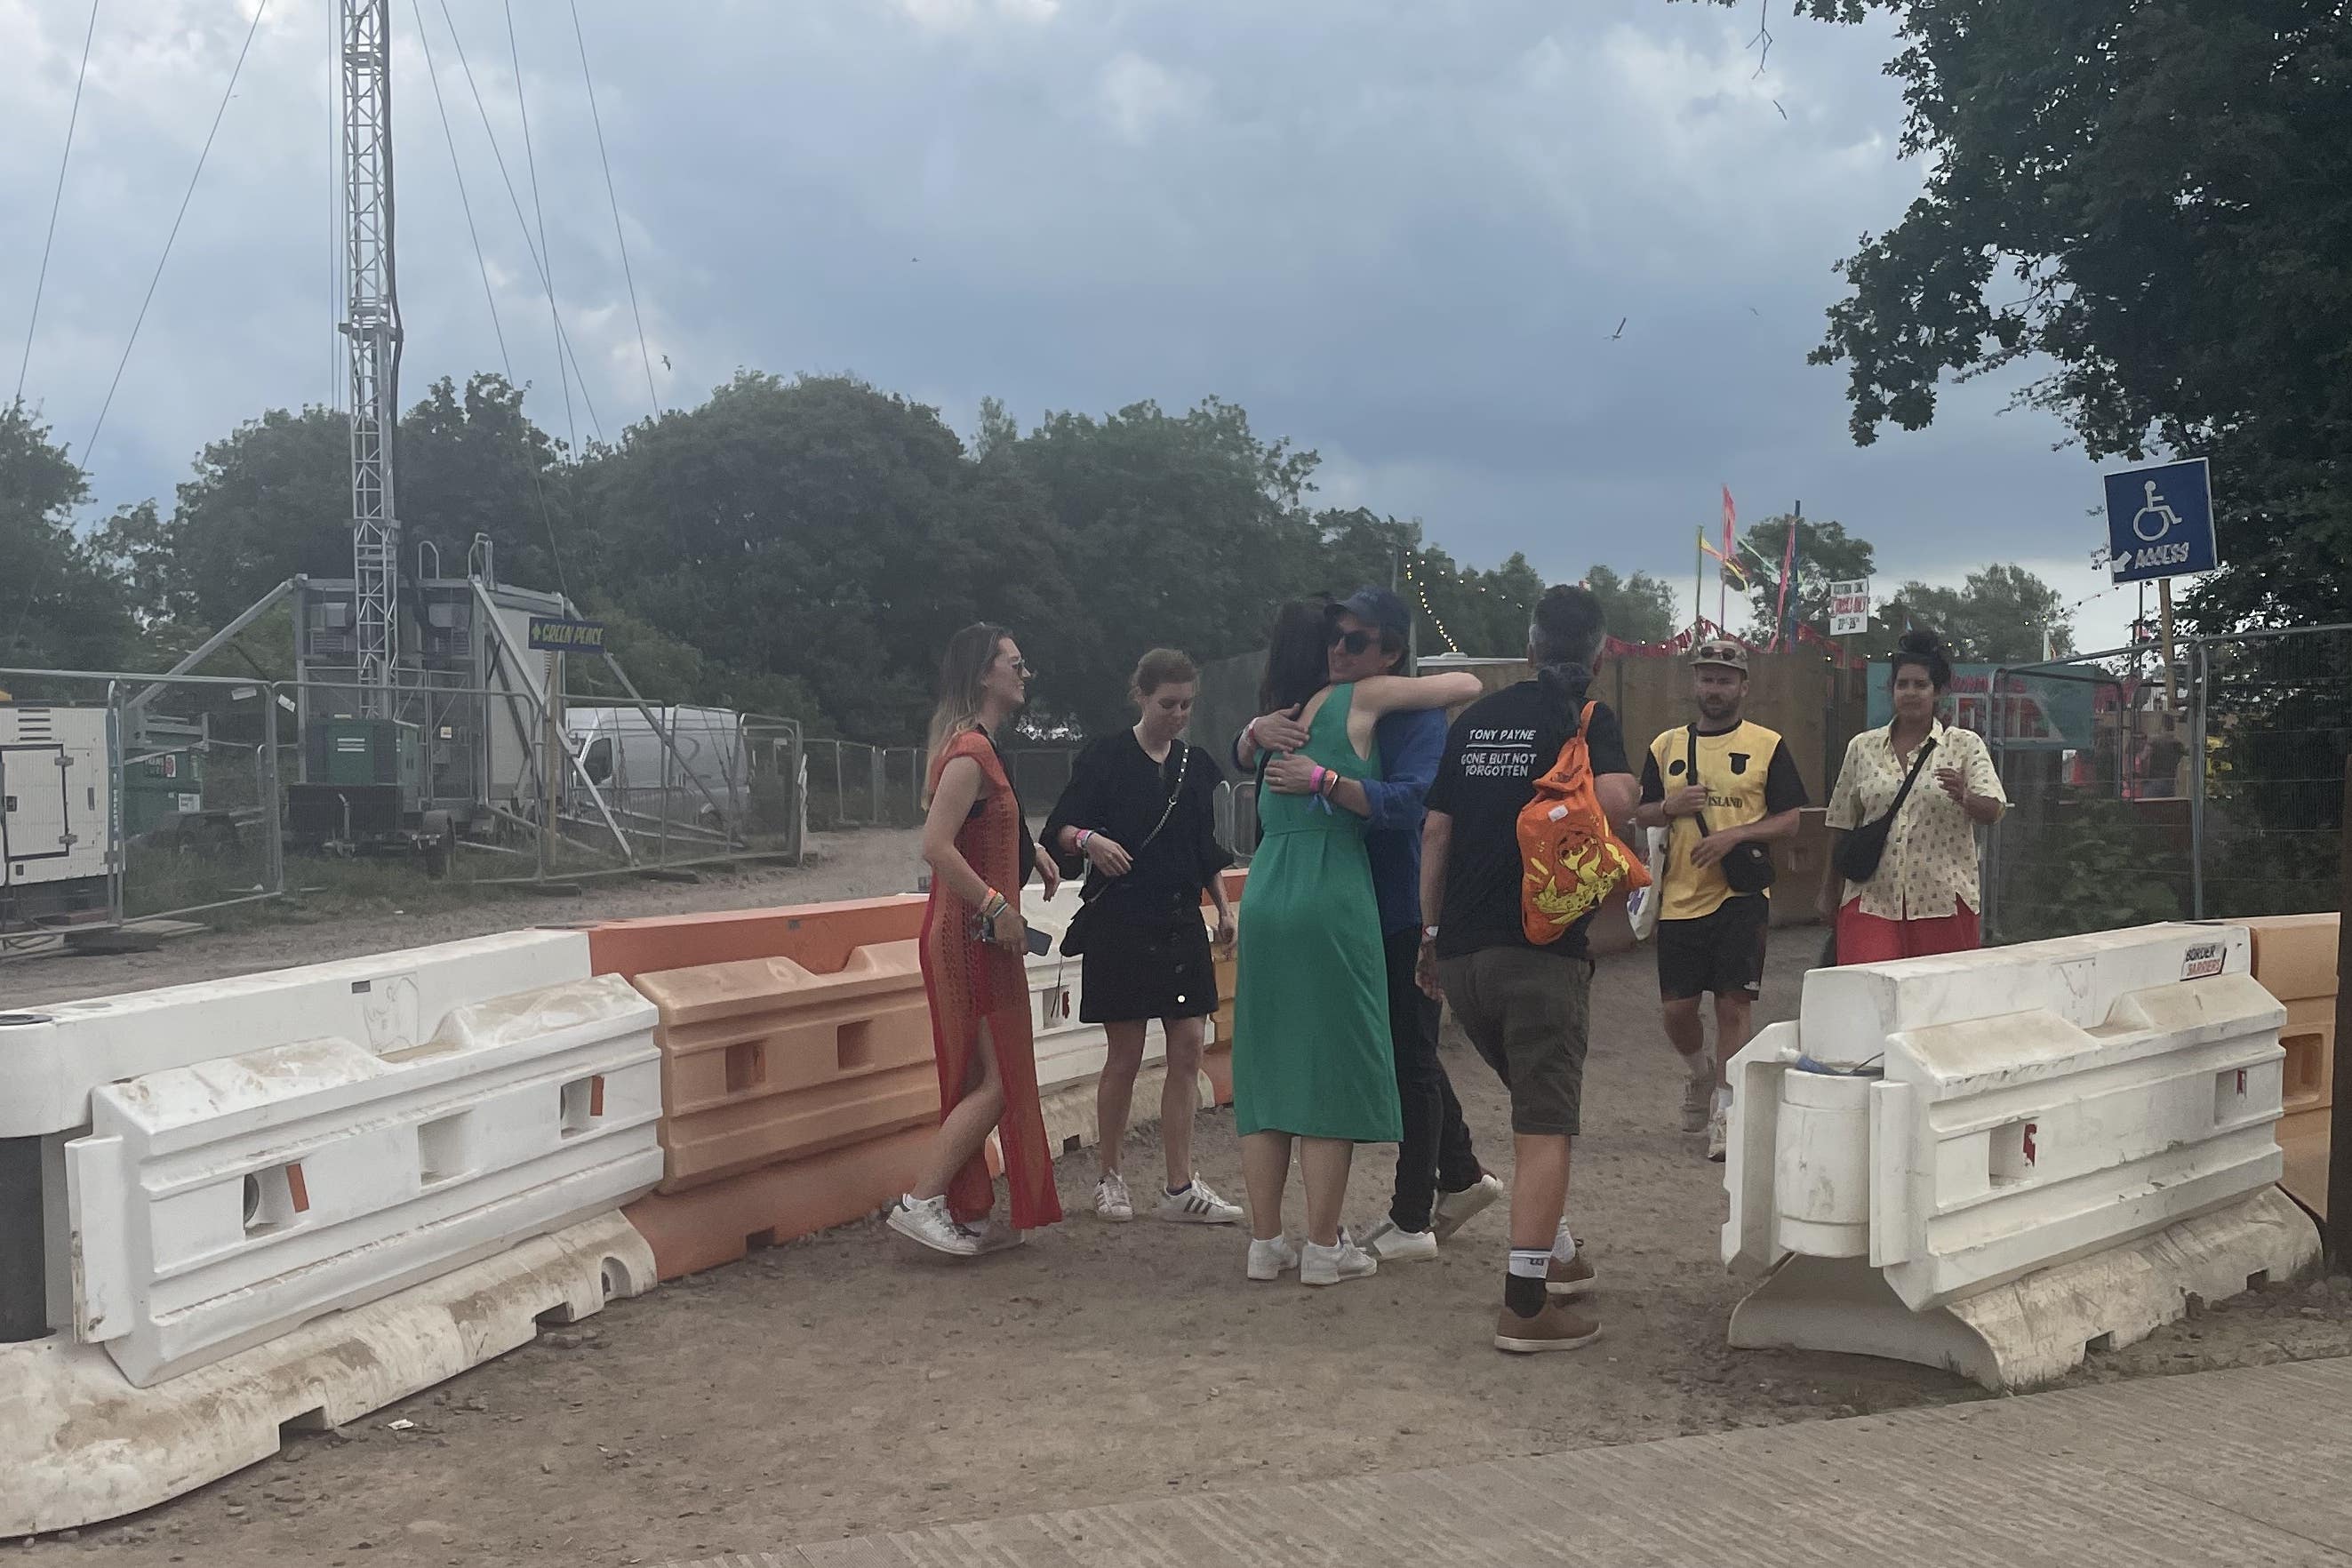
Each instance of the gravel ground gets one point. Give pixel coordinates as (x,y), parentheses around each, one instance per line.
(845,1384)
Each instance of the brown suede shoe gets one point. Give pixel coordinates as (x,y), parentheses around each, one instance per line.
(1568,1280)
(1558,1327)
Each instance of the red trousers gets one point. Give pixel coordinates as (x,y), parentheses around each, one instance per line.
(1868,939)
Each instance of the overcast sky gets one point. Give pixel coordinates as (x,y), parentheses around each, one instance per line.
(1399,232)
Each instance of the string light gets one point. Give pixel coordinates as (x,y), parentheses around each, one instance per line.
(1423,593)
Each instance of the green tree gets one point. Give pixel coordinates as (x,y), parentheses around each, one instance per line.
(2170,187)
(822,529)
(1639,608)
(1175,529)
(1826,553)
(474,464)
(270,499)
(61,607)
(1997,616)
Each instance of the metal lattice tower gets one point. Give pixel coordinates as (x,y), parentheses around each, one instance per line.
(372,329)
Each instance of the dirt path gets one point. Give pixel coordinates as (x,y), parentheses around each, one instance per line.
(845,1384)
(842,866)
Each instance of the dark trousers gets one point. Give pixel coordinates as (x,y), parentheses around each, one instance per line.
(1436,1151)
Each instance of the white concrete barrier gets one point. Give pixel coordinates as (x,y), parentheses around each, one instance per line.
(1936,1142)
(290,1173)
(78,1445)
(53,1055)
(219,1205)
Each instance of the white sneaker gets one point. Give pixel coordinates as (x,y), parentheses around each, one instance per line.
(993,1235)
(1718,1133)
(926,1222)
(1453,1210)
(1698,1093)
(1330,1265)
(1198,1205)
(1391,1243)
(1111,1202)
(1272,1260)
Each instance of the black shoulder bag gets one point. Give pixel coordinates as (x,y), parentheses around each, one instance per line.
(1074,935)
(1859,852)
(1747,866)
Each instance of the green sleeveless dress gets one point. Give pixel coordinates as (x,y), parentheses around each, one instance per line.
(1311,1049)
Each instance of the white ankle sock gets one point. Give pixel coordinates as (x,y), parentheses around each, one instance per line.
(1530,1262)
(1564,1245)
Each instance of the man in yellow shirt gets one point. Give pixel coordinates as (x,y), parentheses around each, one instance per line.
(1714,786)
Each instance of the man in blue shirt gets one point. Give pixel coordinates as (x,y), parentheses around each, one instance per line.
(1439,1181)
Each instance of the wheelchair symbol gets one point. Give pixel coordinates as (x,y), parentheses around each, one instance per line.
(2156,512)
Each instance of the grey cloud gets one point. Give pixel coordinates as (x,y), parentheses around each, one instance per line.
(1397,232)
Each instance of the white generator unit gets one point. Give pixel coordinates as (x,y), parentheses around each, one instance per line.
(58,826)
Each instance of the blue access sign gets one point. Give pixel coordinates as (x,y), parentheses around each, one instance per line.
(2160,522)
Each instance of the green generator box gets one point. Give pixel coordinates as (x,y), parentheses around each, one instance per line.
(158,785)
(346,751)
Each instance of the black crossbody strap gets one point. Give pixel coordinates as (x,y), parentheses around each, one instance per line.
(1693,777)
(1919,760)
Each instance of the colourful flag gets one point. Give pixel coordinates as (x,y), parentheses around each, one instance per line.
(1731,567)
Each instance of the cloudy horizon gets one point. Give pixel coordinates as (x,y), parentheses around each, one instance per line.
(1404,236)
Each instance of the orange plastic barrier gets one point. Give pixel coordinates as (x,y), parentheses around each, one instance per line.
(2294,959)
(818,937)
(797,1083)
(798,1088)
(692,1231)
(764,1060)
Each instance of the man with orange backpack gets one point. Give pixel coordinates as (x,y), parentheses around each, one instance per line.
(1525,838)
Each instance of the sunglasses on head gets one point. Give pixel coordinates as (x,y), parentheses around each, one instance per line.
(1357,642)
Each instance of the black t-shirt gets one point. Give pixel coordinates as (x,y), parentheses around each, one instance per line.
(1494,752)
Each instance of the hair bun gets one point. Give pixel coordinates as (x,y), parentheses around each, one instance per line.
(1924,643)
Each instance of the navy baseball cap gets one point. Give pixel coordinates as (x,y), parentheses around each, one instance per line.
(1380,607)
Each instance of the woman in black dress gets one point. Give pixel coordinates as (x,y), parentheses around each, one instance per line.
(1139,815)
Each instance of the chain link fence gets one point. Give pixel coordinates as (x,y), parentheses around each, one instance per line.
(127,797)
(134,800)
(2211,788)
(134,797)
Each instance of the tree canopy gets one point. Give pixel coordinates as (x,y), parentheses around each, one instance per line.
(62,608)
(2155,202)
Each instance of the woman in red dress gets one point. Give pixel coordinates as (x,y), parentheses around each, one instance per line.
(975,969)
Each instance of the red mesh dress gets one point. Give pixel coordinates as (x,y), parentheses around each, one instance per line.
(969,980)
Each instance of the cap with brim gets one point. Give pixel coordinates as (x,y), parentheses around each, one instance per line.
(1380,607)
(1722,653)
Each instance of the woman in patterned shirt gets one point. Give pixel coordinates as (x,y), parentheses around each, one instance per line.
(1925,897)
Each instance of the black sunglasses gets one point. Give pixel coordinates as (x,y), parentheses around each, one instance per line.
(1356,642)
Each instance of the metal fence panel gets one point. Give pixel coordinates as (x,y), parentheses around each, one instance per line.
(2276,714)
(2211,789)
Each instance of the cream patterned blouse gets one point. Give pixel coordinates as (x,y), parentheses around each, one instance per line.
(1930,865)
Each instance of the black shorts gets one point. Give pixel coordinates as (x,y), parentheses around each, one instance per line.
(1722,952)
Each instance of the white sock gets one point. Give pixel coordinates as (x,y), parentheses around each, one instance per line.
(1700,1065)
(1723,1099)
(1530,1262)
(1564,1245)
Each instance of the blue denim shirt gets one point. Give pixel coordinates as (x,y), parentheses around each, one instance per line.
(1411,745)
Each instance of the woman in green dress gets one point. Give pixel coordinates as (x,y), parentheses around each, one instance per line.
(1312,1057)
